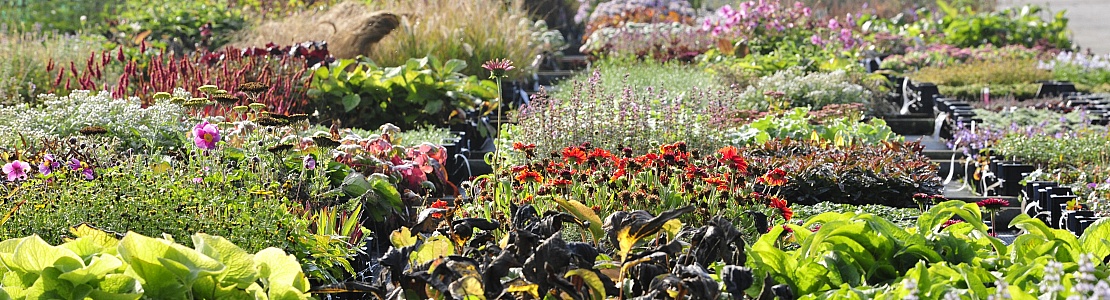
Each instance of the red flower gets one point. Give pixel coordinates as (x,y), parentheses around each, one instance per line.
(787,229)
(574,154)
(600,153)
(776,177)
(438,204)
(596,208)
(993,203)
(782,206)
(731,155)
(527,176)
(527,199)
(522,147)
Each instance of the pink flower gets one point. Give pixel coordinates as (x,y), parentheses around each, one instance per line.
(412,175)
(198,180)
(993,203)
(17,170)
(498,67)
(206,135)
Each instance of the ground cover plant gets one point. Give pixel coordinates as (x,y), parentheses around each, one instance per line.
(706,152)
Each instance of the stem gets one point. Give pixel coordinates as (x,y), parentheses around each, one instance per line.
(497,150)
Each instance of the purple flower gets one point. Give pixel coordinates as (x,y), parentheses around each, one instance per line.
(206,135)
(48,164)
(17,170)
(89,173)
(198,180)
(74,164)
(309,162)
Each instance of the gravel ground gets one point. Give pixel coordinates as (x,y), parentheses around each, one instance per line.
(1089,20)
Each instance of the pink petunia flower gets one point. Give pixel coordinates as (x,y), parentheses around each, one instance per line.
(17,170)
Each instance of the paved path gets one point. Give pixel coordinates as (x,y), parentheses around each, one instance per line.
(1089,20)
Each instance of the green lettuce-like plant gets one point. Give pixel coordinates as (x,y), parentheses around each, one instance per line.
(97,265)
(424,91)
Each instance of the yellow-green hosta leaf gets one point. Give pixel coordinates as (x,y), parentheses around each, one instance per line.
(402,238)
(98,267)
(582,212)
(33,255)
(117,286)
(597,288)
(239,263)
(435,247)
(469,287)
(282,274)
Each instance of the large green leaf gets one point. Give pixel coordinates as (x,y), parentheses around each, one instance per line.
(597,288)
(240,264)
(350,101)
(33,254)
(381,185)
(355,184)
(1096,239)
(282,274)
(435,247)
(162,263)
(582,212)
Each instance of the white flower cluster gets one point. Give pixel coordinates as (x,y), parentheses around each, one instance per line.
(125,119)
(1086,62)
(814,90)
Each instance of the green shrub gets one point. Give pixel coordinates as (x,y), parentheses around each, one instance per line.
(151,198)
(418,92)
(178,24)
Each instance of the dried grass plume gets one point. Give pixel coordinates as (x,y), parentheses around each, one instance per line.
(350,28)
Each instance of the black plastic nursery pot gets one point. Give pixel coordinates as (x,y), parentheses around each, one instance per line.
(1055,89)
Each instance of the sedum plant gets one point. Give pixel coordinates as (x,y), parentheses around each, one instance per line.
(801,89)
(99,265)
(125,120)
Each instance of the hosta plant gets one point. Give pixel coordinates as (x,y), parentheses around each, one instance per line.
(98,264)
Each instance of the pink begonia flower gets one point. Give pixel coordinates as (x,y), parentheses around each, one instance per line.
(206,135)
(377,146)
(17,170)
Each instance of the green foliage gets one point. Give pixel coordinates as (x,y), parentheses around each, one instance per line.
(797,124)
(177,24)
(67,16)
(420,92)
(1011,26)
(974,92)
(1000,72)
(98,265)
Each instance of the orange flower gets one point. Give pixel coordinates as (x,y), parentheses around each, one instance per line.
(776,177)
(527,199)
(721,182)
(574,154)
(527,176)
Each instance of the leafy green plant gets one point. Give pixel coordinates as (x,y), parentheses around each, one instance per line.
(797,124)
(33,60)
(194,25)
(801,89)
(99,265)
(1009,26)
(419,92)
